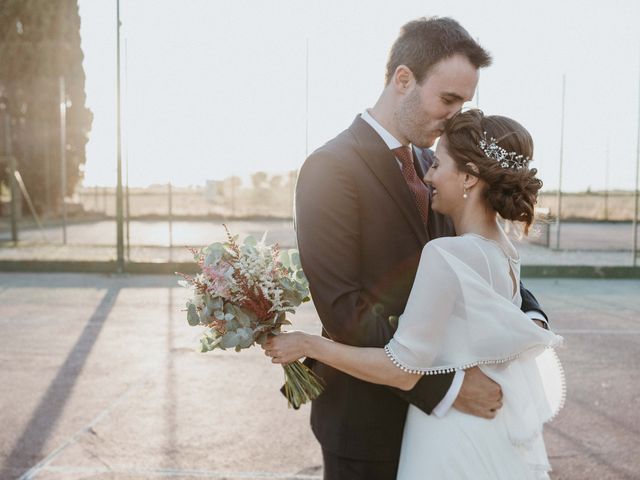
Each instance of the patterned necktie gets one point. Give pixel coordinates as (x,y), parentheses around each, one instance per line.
(418,188)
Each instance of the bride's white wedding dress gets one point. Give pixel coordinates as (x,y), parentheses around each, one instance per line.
(464,311)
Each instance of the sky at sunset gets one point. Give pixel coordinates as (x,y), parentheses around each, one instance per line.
(218,88)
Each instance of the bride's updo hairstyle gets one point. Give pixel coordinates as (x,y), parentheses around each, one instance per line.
(512,188)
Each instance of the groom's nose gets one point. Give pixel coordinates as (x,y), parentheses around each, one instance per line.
(457,107)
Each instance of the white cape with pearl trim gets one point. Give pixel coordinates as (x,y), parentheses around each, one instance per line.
(463,311)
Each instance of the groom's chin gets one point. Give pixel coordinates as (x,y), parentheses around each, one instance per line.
(427,142)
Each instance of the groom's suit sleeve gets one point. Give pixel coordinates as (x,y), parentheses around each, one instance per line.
(328,232)
(529,302)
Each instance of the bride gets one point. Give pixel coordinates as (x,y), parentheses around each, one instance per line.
(463,311)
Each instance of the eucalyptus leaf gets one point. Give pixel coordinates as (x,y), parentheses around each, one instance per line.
(250,241)
(248,251)
(243,338)
(246,337)
(295,259)
(205,316)
(192,315)
(233,325)
(285,259)
(215,303)
(243,319)
(214,253)
(204,345)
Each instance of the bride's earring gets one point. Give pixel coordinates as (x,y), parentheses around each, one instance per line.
(465,195)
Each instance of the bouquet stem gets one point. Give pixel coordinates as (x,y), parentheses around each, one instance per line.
(301,384)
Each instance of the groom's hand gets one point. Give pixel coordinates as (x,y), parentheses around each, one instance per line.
(479,395)
(541,324)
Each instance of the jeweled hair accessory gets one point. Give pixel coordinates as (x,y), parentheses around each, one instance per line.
(506,159)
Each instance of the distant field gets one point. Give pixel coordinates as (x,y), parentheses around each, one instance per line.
(243,202)
(591,206)
(197,201)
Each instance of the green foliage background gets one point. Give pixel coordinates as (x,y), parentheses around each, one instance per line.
(39,42)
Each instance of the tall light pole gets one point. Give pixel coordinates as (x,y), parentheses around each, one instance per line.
(637,193)
(606,183)
(558,221)
(478,86)
(127,205)
(306,103)
(63,157)
(119,209)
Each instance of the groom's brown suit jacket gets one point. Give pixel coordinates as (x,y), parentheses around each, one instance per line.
(360,238)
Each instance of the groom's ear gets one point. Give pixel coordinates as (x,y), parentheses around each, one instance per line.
(403,78)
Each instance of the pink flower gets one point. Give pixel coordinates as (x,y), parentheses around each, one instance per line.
(218,285)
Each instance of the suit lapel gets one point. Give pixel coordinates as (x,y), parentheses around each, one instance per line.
(377,156)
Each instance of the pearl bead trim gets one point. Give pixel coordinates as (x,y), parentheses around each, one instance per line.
(441,370)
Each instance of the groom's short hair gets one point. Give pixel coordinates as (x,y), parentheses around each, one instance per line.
(424,42)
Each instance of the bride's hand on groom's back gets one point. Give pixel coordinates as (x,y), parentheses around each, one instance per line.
(479,395)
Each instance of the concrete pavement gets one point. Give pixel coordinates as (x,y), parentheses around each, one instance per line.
(100,380)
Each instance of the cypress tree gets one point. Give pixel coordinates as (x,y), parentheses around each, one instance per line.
(39,43)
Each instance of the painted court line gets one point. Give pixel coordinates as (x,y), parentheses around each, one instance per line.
(595,331)
(44,463)
(174,472)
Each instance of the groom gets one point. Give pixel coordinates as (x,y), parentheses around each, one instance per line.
(362,218)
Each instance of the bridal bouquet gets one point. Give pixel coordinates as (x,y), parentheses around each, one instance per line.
(242,294)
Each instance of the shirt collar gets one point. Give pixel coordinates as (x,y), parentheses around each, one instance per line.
(387,138)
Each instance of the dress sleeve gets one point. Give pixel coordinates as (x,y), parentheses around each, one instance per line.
(455,319)
(431,303)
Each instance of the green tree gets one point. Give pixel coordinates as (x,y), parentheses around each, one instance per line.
(39,43)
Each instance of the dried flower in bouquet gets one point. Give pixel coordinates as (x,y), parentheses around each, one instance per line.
(242,294)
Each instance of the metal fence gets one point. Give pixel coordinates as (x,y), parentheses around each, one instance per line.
(213,201)
(161,221)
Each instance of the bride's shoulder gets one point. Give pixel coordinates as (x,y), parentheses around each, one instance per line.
(449,244)
(461,247)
